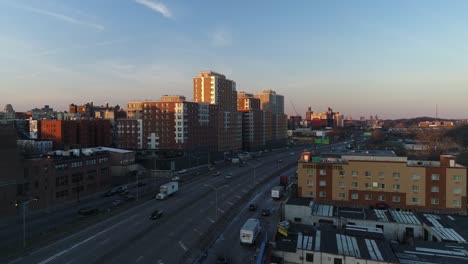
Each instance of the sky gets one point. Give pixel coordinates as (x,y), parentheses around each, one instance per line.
(391,58)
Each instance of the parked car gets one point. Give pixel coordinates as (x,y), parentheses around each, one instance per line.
(156,214)
(175,178)
(228,175)
(109,193)
(216,173)
(88,211)
(266,212)
(182,171)
(123,193)
(117,202)
(129,197)
(222,260)
(252,207)
(121,189)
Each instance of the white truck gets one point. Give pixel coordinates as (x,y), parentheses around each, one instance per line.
(235,160)
(250,231)
(167,189)
(277,192)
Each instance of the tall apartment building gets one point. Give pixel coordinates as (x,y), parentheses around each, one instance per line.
(275,121)
(128,133)
(252,121)
(76,133)
(171,123)
(213,88)
(381,179)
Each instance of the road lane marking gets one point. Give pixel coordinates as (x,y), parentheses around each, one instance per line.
(198,231)
(230,203)
(138,259)
(80,243)
(212,221)
(182,245)
(238,197)
(221,210)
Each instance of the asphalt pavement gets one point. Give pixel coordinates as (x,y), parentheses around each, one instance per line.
(131,237)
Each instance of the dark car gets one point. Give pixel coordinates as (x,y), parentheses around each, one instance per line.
(222,260)
(109,193)
(266,212)
(216,173)
(125,192)
(88,211)
(156,215)
(129,197)
(117,202)
(252,207)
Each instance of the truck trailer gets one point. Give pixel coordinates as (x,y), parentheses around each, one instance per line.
(167,189)
(250,231)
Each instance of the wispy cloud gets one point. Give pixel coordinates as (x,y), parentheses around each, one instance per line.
(61,17)
(53,51)
(156,6)
(220,38)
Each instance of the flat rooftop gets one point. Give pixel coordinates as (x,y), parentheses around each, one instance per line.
(353,244)
(431,253)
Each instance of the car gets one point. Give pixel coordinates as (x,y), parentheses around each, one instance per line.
(222,260)
(129,197)
(216,173)
(121,189)
(117,202)
(266,212)
(88,211)
(228,175)
(175,178)
(123,193)
(211,168)
(182,171)
(252,207)
(156,215)
(109,193)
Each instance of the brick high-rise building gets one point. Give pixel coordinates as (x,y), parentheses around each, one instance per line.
(381,179)
(76,133)
(172,123)
(252,121)
(10,169)
(275,122)
(213,88)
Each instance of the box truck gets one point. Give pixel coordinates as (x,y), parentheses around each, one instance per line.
(250,231)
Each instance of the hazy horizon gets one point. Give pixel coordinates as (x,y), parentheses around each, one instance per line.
(394,59)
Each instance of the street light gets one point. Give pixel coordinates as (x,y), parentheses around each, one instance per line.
(216,191)
(24,218)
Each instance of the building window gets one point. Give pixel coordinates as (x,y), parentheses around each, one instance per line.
(339,261)
(310,182)
(322,194)
(342,173)
(297,219)
(382,174)
(368,174)
(354,184)
(382,198)
(435,189)
(309,257)
(457,191)
(354,173)
(323,172)
(396,175)
(367,185)
(415,177)
(342,195)
(435,177)
(457,178)
(310,171)
(322,183)
(367,197)
(341,184)
(396,186)
(382,186)
(434,201)
(456,203)
(354,196)
(310,194)
(415,200)
(396,199)
(415,188)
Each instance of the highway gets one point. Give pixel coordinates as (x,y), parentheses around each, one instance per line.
(131,237)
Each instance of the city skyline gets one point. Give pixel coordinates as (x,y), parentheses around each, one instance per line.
(394,59)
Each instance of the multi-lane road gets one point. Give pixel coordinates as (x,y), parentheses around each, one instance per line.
(131,237)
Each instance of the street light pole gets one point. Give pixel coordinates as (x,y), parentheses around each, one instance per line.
(24,220)
(254,176)
(216,193)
